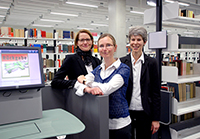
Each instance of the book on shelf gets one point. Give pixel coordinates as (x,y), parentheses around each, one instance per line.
(65,48)
(72,35)
(30,32)
(44,63)
(66,34)
(50,63)
(21,33)
(6,32)
(37,45)
(17,33)
(35,33)
(43,34)
(60,34)
(95,48)
(49,35)
(186,13)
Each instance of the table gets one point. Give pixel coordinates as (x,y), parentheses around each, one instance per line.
(55,122)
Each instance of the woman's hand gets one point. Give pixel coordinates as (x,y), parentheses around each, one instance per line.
(93,91)
(155,126)
(80,78)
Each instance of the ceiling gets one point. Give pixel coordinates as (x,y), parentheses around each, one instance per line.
(26,13)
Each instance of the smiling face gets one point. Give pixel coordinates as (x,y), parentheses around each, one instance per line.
(84,42)
(106,47)
(136,44)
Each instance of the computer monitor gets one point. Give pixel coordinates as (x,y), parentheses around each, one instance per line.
(20,68)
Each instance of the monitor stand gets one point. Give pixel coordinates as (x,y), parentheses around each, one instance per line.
(20,105)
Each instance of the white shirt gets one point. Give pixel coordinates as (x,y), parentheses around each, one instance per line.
(136,102)
(107,88)
(89,68)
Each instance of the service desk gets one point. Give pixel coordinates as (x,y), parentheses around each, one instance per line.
(55,122)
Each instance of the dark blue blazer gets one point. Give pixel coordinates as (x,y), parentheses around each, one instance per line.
(149,83)
(73,66)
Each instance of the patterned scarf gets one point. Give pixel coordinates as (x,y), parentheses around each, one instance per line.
(87,56)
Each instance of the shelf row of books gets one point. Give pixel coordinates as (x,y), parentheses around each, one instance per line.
(56,62)
(184,67)
(176,119)
(186,13)
(38,33)
(182,91)
(35,33)
(48,76)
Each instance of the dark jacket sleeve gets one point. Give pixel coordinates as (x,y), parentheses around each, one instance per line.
(72,67)
(155,84)
(65,70)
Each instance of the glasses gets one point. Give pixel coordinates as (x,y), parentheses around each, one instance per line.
(107,45)
(82,40)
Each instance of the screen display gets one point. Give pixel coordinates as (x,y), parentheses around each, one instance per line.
(21,68)
(157,40)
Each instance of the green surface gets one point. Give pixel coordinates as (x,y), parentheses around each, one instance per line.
(54,122)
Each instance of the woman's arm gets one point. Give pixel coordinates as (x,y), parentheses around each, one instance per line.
(107,88)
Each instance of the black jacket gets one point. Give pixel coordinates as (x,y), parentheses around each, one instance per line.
(149,83)
(73,66)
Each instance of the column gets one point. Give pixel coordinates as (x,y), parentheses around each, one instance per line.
(117,24)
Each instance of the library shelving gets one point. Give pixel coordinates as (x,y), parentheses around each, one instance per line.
(188,50)
(171,16)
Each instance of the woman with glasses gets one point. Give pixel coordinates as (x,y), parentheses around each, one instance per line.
(110,78)
(80,63)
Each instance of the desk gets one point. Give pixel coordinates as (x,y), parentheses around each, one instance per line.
(55,122)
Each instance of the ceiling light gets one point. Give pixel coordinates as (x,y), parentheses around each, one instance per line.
(180,3)
(183,4)
(150,3)
(49,20)
(136,12)
(2,15)
(63,14)
(169,1)
(38,25)
(98,24)
(85,28)
(186,32)
(4,7)
(81,4)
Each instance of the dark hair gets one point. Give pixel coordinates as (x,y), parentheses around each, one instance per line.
(77,37)
(108,35)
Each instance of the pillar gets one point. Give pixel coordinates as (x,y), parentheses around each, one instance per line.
(117,24)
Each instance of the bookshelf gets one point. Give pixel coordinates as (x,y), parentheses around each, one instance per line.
(184,45)
(188,48)
(171,16)
(179,108)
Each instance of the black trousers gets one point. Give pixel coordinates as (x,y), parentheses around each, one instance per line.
(123,133)
(141,125)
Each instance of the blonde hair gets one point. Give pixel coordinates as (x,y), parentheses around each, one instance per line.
(108,35)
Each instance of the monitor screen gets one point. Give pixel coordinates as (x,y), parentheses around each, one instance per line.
(157,40)
(21,68)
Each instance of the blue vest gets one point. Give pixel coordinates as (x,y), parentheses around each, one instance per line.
(118,106)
